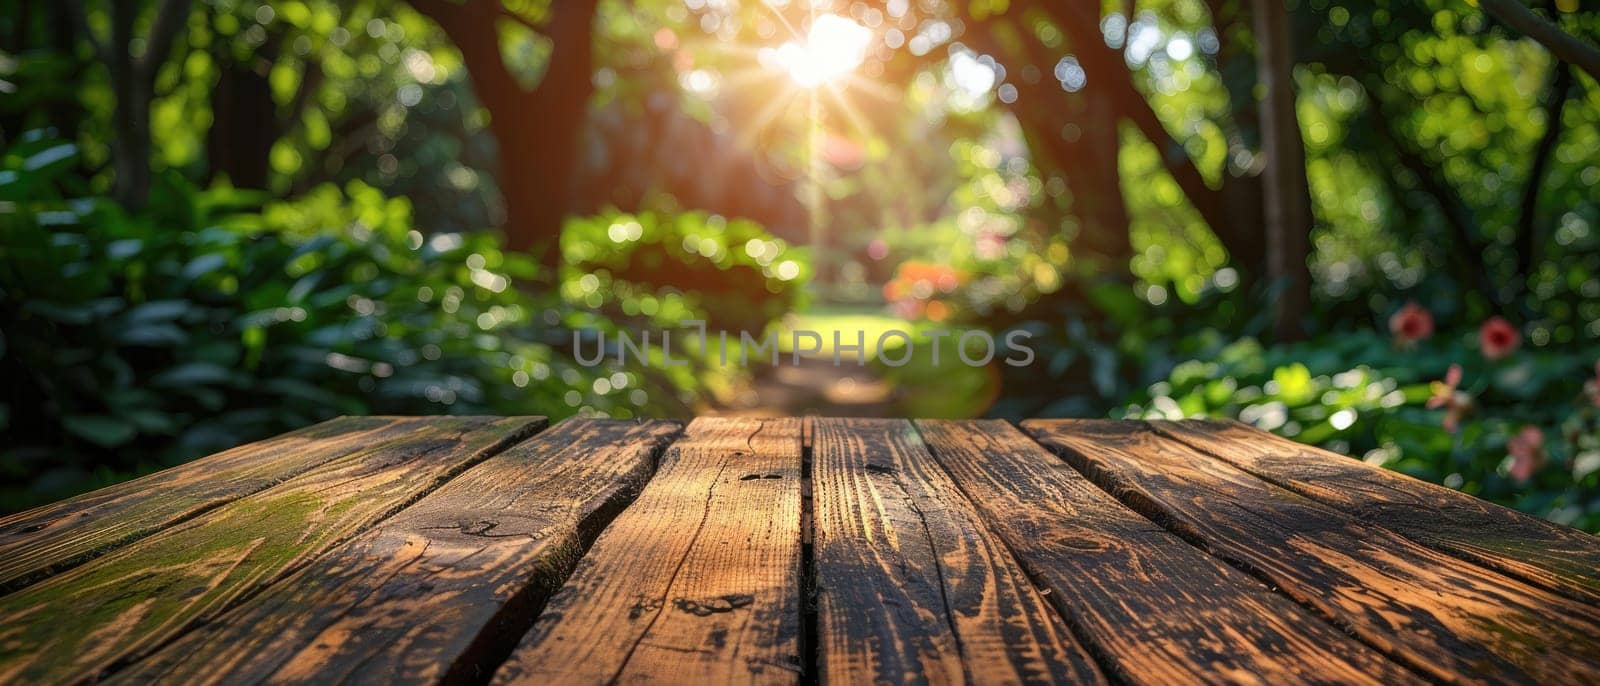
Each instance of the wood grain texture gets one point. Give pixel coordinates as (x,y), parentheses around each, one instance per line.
(911,586)
(48,539)
(443,589)
(76,625)
(697,582)
(1544,553)
(1152,608)
(1452,620)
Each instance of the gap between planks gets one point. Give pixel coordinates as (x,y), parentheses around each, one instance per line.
(808,562)
(696,581)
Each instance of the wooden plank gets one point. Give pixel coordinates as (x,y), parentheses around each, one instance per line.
(697,582)
(911,585)
(48,539)
(1449,619)
(75,625)
(443,589)
(1540,552)
(1154,609)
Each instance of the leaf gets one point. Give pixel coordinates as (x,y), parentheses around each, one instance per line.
(309,247)
(65,314)
(157,311)
(203,265)
(151,421)
(105,307)
(1118,301)
(152,336)
(128,400)
(192,374)
(1104,372)
(1061,360)
(49,156)
(296,389)
(303,287)
(1294,383)
(124,249)
(209,398)
(106,432)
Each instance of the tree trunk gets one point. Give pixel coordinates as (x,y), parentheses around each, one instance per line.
(130,150)
(1089,161)
(1288,204)
(1529,239)
(1097,185)
(16,42)
(133,88)
(65,114)
(1095,176)
(1233,212)
(539,132)
(244,124)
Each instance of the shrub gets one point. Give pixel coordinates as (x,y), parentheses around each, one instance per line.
(668,268)
(130,341)
(1358,394)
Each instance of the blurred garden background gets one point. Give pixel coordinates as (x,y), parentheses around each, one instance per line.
(1370,225)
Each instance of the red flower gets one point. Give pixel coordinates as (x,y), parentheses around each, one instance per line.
(1498,338)
(1411,323)
(1527,452)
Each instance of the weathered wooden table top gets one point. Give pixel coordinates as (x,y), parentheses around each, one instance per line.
(790,550)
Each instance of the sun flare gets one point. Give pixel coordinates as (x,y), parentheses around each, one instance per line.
(832,48)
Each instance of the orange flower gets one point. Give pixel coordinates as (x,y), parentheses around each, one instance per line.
(1527,452)
(1497,338)
(1411,323)
(927,271)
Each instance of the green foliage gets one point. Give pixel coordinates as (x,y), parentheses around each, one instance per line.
(1359,394)
(692,265)
(136,341)
(1103,341)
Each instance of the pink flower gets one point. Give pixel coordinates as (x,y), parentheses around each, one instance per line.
(1411,323)
(842,152)
(1527,452)
(877,249)
(1446,394)
(990,246)
(908,308)
(1498,338)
